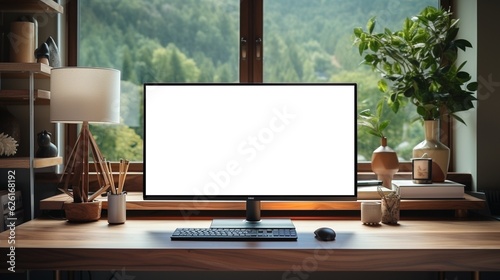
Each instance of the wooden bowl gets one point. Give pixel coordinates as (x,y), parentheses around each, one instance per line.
(83,212)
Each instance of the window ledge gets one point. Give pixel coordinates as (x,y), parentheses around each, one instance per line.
(135,201)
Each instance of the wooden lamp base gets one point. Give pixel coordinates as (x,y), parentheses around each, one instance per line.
(83,212)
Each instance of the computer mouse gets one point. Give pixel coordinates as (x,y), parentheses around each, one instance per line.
(325,234)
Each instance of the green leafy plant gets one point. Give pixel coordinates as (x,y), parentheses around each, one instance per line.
(418,64)
(373,123)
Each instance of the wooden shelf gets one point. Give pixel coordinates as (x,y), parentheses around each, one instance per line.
(15,95)
(135,201)
(33,6)
(21,70)
(24,162)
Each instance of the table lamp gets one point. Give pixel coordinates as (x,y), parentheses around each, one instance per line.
(84,95)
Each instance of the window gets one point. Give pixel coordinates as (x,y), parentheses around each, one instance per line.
(233,41)
(308,41)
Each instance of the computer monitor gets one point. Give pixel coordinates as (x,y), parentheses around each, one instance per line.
(251,142)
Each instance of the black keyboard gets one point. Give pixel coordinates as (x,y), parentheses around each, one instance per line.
(235,234)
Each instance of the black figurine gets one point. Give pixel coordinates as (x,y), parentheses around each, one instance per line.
(42,54)
(45,147)
(54,56)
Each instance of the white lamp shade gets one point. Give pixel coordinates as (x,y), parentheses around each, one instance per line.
(85,94)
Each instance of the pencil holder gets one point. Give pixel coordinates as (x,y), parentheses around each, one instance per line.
(117,208)
(390,208)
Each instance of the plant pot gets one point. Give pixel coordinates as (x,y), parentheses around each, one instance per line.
(83,212)
(432,148)
(385,163)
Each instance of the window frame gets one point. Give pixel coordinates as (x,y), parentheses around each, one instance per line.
(251,71)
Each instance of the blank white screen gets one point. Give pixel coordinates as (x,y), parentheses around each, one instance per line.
(250,140)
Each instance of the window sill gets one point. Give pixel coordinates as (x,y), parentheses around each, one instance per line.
(135,202)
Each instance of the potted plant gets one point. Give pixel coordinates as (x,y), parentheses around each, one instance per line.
(418,65)
(384,160)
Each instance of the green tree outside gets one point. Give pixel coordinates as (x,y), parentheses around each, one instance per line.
(198,41)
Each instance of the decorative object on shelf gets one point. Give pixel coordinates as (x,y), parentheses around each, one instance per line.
(35,24)
(431,147)
(371,212)
(11,132)
(8,145)
(22,40)
(84,95)
(45,147)
(385,163)
(42,54)
(384,160)
(418,65)
(54,56)
(421,170)
(390,206)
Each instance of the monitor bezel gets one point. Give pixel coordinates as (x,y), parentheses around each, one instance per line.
(257,197)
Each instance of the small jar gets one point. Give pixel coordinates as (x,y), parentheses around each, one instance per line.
(371,212)
(117,208)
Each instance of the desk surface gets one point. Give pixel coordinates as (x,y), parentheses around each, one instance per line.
(456,245)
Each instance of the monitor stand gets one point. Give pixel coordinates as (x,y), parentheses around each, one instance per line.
(252,220)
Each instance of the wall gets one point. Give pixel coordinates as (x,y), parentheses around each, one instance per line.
(488,121)
(476,145)
(464,136)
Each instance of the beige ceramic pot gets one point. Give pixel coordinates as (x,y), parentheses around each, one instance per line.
(432,148)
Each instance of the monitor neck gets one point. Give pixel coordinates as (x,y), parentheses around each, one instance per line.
(252,220)
(253,210)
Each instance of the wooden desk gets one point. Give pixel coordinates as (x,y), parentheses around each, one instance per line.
(145,245)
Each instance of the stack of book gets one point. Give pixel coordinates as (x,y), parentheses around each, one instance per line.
(442,190)
(372,192)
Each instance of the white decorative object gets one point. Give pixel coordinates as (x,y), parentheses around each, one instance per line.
(8,145)
(371,212)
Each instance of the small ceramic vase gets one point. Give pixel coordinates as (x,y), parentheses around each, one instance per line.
(45,147)
(385,163)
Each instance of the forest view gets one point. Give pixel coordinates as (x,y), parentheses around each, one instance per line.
(198,41)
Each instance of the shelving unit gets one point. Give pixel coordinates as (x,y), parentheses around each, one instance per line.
(28,71)
(33,6)
(24,162)
(20,71)
(31,96)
